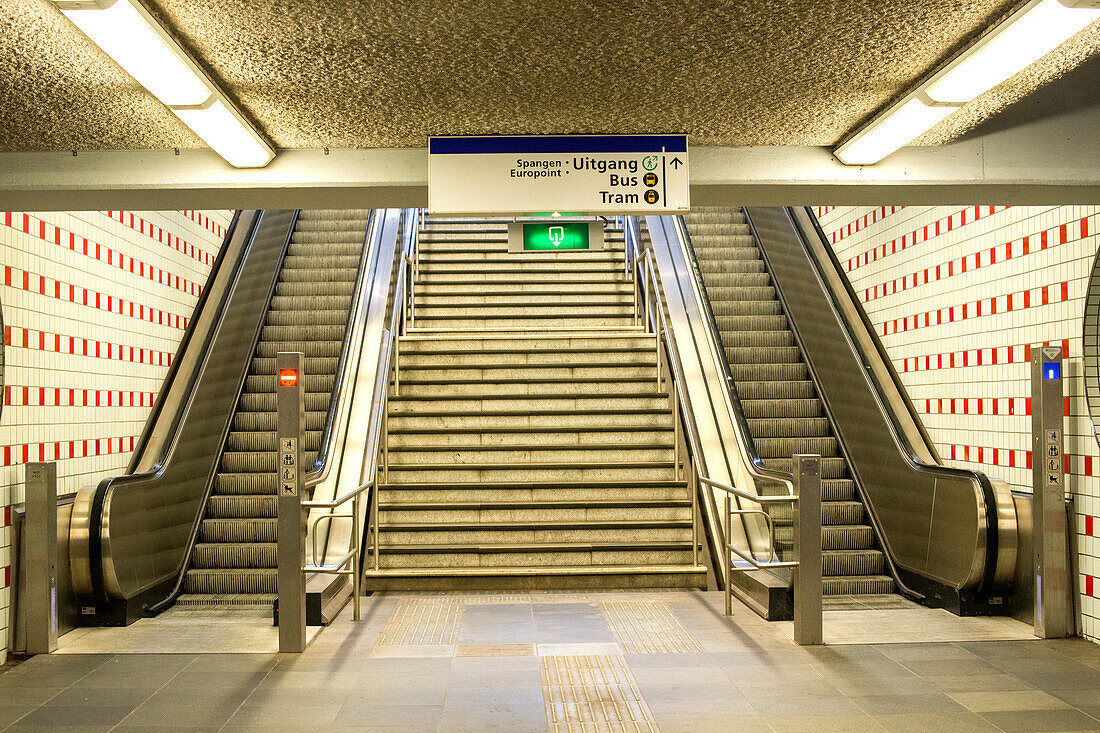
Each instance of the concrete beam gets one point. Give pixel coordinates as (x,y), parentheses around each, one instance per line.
(1050,160)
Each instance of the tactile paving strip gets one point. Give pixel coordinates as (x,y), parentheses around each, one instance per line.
(592,693)
(422,622)
(648,627)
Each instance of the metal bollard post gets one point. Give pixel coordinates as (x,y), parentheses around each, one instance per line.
(1054,586)
(807,550)
(40,531)
(291,549)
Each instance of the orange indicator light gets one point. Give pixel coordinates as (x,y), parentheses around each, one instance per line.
(288,377)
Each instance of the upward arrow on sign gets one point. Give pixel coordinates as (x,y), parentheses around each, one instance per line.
(676,163)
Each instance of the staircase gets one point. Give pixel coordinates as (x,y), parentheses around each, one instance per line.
(529,443)
(233,563)
(784,412)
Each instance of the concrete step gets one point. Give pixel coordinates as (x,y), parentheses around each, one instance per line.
(560,554)
(547,321)
(572,472)
(538,346)
(523,491)
(541,371)
(495,311)
(503,436)
(534,511)
(518,387)
(536,578)
(521,455)
(475,360)
(486,532)
(527,288)
(505,404)
(567,421)
(606,296)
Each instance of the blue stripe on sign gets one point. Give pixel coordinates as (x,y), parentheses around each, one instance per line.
(558,144)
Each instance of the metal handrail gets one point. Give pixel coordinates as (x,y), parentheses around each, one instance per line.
(376,438)
(647,294)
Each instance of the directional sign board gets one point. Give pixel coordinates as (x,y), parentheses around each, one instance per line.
(593,174)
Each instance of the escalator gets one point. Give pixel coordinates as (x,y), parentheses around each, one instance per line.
(234,559)
(784,413)
(193,519)
(797,368)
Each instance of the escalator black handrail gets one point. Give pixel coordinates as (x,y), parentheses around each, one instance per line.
(884,358)
(108,485)
(321,467)
(905,451)
(177,359)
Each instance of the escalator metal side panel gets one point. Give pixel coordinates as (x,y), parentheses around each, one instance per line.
(705,386)
(350,450)
(934,520)
(147,520)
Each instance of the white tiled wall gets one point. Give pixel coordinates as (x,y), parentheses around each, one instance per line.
(959,295)
(95,304)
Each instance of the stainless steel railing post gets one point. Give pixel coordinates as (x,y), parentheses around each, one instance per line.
(808,585)
(357,566)
(727,531)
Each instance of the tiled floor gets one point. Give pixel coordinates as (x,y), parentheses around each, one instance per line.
(571,662)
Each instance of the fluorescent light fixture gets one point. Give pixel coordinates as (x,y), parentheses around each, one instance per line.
(126,31)
(226,131)
(1009,48)
(141,47)
(899,127)
(1032,32)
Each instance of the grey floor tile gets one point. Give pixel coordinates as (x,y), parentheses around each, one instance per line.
(985,702)
(268,713)
(64,716)
(102,697)
(871,685)
(996,682)
(689,722)
(934,723)
(33,696)
(794,704)
(361,715)
(952,667)
(166,729)
(490,672)
(917,703)
(11,713)
(1042,720)
(924,652)
(497,717)
(846,723)
(281,696)
(530,696)
(200,713)
(138,670)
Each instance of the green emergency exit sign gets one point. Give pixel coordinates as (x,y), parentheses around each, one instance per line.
(550,236)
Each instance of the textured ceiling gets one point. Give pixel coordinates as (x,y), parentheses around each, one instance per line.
(389,73)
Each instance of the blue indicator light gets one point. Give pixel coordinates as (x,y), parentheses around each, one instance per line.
(1052,370)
